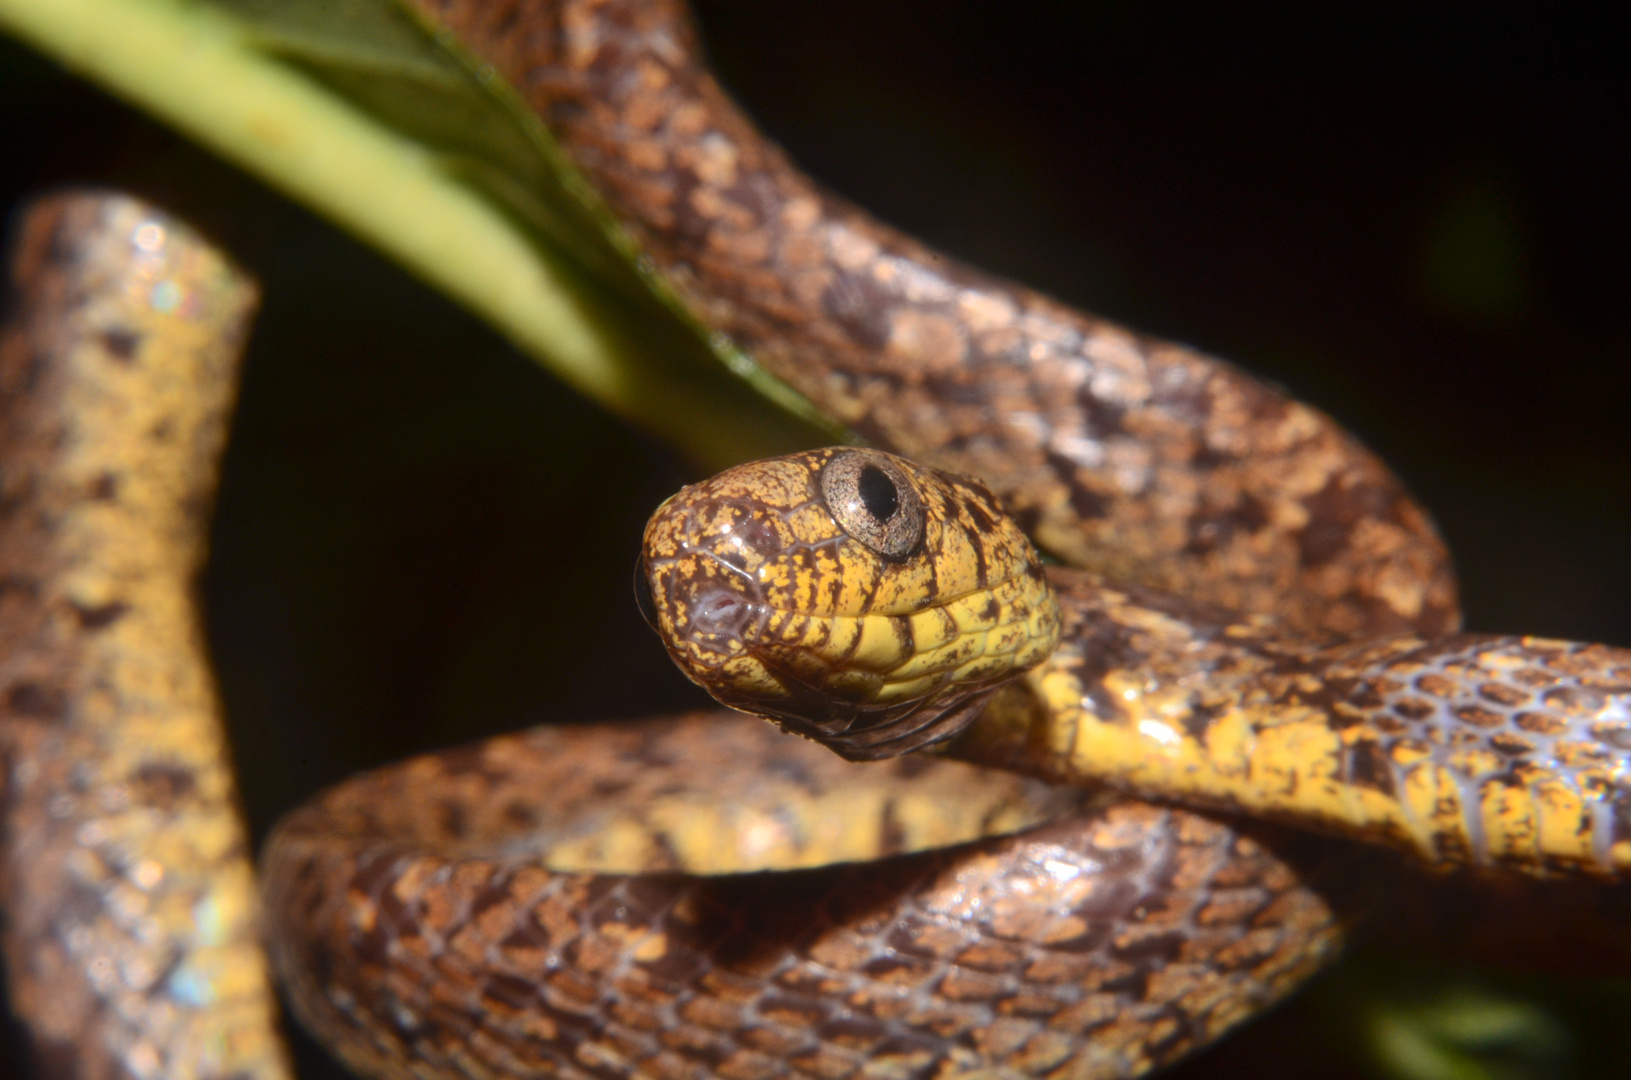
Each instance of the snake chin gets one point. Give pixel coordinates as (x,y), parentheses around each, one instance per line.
(860,736)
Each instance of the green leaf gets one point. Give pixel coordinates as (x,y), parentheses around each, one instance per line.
(363,112)
(1469,1033)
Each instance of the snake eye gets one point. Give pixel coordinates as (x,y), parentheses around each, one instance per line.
(873,500)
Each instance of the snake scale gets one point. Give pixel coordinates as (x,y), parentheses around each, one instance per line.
(1264,622)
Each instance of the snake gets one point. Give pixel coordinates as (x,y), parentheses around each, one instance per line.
(1189,617)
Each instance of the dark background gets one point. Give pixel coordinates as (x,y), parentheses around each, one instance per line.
(1415,219)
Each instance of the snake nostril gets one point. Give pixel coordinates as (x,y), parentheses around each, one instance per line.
(720,611)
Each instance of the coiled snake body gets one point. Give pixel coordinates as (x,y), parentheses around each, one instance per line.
(1116,942)
(1262,623)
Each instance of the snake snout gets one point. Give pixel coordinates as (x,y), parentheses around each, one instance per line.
(706,611)
(720,611)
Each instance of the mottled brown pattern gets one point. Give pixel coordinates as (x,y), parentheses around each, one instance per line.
(1135,457)
(1098,946)
(130,922)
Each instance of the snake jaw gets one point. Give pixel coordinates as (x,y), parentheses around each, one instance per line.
(873,638)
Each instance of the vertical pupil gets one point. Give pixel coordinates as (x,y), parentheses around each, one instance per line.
(878,493)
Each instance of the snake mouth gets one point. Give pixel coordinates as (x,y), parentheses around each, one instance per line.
(861,732)
(849,682)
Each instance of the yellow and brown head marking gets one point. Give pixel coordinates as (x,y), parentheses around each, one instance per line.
(850,595)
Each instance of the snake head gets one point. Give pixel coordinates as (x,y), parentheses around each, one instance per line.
(849,595)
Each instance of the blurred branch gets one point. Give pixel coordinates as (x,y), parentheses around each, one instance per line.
(329,104)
